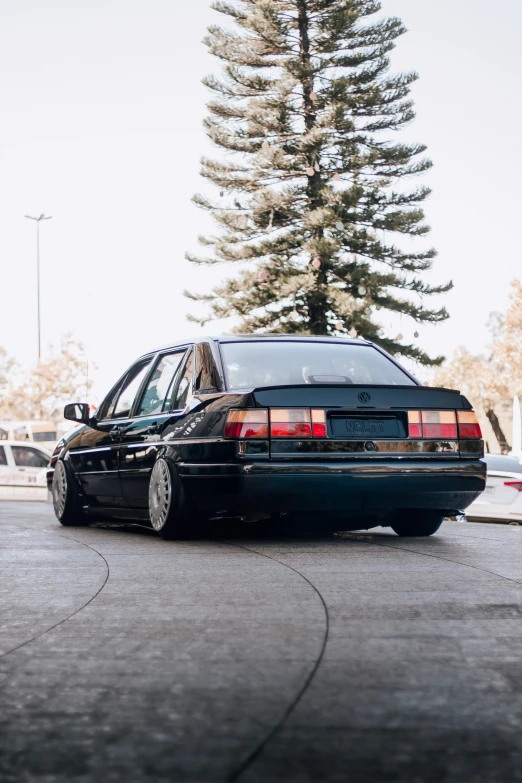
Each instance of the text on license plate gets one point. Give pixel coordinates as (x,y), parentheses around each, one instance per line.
(366,428)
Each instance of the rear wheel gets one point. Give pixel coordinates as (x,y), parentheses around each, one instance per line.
(66,502)
(417,523)
(171,515)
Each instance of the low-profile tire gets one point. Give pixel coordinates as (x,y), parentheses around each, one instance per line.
(171,514)
(417,523)
(66,502)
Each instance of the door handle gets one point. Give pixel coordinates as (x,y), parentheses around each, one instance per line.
(115,433)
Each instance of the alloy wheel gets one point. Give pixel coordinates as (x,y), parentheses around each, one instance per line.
(59,489)
(160,494)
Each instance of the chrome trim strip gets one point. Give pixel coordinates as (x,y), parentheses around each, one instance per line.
(94,450)
(333,449)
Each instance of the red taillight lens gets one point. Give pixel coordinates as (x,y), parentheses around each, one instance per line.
(439,424)
(247,424)
(290,423)
(319,424)
(468,425)
(432,424)
(514,485)
(414,424)
(443,424)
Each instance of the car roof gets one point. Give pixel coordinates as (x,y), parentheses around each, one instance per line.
(313,338)
(504,460)
(239,338)
(29,443)
(515,457)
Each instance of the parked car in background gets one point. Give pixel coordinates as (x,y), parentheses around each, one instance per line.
(502,498)
(274,426)
(23,469)
(35,431)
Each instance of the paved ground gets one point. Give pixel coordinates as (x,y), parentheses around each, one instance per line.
(357,658)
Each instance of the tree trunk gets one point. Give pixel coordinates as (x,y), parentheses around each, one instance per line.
(497,429)
(316,301)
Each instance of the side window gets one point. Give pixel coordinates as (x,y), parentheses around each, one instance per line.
(183,392)
(27,457)
(129,390)
(107,407)
(160,383)
(3,458)
(207,376)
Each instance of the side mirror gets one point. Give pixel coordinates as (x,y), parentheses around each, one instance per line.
(77,411)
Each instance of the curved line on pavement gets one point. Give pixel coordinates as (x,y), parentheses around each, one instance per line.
(254,754)
(448,560)
(52,627)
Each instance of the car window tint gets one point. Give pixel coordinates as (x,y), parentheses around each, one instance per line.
(27,457)
(159,384)
(107,406)
(184,388)
(250,364)
(3,457)
(130,389)
(503,464)
(207,375)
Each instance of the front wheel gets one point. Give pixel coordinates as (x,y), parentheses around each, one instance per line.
(170,512)
(66,503)
(417,523)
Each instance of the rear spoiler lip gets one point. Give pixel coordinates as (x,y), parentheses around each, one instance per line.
(337,395)
(409,387)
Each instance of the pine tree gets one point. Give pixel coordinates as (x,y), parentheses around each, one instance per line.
(311,195)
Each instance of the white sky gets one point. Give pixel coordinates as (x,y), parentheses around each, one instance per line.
(101,111)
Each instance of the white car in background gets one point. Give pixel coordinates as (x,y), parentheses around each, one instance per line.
(502,498)
(23,468)
(39,431)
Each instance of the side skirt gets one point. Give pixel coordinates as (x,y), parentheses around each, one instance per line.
(117,514)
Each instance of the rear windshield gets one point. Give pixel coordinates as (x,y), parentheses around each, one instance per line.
(503,464)
(252,364)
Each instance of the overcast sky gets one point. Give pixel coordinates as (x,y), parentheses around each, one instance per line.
(101,109)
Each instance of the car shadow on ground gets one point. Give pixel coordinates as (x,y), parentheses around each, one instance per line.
(254,532)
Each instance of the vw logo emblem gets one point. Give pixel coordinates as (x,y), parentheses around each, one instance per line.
(364,397)
(371,446)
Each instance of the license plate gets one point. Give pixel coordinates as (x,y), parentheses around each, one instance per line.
(366,428)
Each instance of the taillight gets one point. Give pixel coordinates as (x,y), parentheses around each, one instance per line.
(284,423)
(443,424)
(514,485)
(290,423)
(432,424)
(247,424)
(414,424)
(318,423)
(468,425)
(439,424)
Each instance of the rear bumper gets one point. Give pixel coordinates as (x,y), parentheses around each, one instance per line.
(365,486)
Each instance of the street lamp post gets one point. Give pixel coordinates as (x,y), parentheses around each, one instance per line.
(38,219)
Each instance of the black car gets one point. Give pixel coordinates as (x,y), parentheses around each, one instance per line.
(256,427)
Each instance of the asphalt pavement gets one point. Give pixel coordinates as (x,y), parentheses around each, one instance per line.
(344,658)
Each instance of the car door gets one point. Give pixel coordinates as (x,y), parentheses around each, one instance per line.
(30,468)
(97,460)
(141,436)
(6,472)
